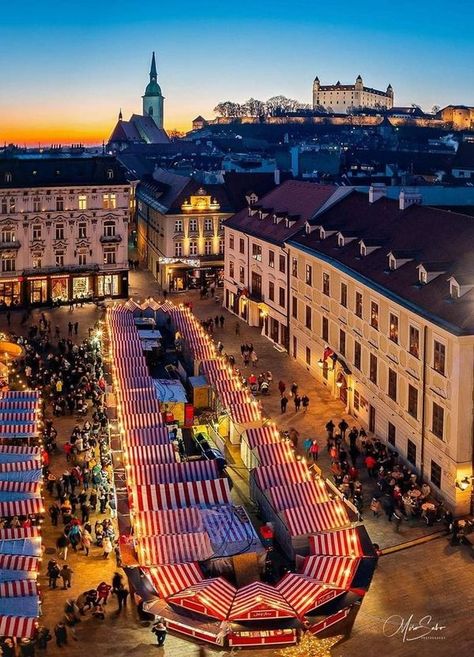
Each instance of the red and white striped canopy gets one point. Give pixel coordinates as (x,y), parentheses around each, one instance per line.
(12,395)
(18,416)
(142,421)
(18,626)
(211,597)
(19,533)
(171,578)
(275,453)
(305,494)
(214,368)
(21,486)
(280,474)
(150,454)
(172,521)
(259,601)
(134,382)
(168,473)
(245,413)
(157,435)
(262,436)
(18,588)
(18,562)
(319,518)
(305,594)
(343,542)
(21,466)
(19,405)
(26,507)
(228,399)
(21,449)
(174,548)
(181,495)
(337,571)
(23,429)
(147,392)
(139,407)
(227,385)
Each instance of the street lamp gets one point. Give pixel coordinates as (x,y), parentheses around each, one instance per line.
(464,484)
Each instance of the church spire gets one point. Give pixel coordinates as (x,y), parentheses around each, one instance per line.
(153,73)
(120,115)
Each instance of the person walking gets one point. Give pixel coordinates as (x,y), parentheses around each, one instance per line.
(297,402)
(107,544)
(314,450)
(254,358)
(159,630)
(237,328)
(42,637)
(343,427)
(221,321)
(60,632)
(53,573)
(283,403)
(294,389)
(76,327)
(305,402)
(86,541)
(103,591)
(330,426)
(281,387)
(66,573)
(122,595)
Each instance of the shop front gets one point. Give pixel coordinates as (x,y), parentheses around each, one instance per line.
(38,290)
(82,287)
(10,292)
(108,285)
(177,274)
(59,288)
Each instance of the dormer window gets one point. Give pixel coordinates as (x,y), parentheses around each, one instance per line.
(322,233)
(423,276)
(110,174)
(340,240)
(8,177)
(454,290)
(363,250)
(460,285)
(392,262)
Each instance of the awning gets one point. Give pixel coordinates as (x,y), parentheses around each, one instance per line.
(211,597)
(228,399)
(171,578)
(272,453)
(227,385)
(262,436)
(19,416)
(343,542)
(32,487)
(168,473)
(18,626)
(18,562)
(19,405)
(21,588)
(18,466)
(173,548)
(22,450)
(30,547)
(27,471)
(305,594)
(337,571)
(141,421)
(27,606)
(138,407)
(304,494)
(21,507)
(259,601)
(281,474)
(245,413)
(173,521)
(150,454)
(158,435)
(322,516)
(13,395)
(23,430)
(181,495)
(19,533)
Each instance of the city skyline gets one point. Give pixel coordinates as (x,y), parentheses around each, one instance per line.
(80,69)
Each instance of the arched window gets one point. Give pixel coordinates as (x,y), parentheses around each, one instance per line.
(110,174)
(8,177)
(150,111)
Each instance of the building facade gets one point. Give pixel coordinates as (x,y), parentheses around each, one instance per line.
(380,314)
(63,230)
(339,98)
(256,275)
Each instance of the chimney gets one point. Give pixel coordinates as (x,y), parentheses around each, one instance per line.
(409,197)
(376,191)
(276,176)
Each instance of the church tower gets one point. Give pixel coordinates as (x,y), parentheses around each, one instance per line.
(153,99)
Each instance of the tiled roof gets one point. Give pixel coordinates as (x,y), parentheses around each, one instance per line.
(292,198)
(435,235)
(60,172)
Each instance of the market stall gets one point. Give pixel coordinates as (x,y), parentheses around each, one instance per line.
(252,438)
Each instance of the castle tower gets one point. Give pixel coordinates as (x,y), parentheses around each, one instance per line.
(316,86)
(153,100)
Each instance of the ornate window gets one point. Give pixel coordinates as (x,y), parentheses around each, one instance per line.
(109,229)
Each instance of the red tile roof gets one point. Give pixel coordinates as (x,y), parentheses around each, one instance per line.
(431,235)
(298,200)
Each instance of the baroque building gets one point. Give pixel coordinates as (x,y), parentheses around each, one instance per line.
(339,98)
(63,229)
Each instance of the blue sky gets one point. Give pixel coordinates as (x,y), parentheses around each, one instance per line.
(70,66)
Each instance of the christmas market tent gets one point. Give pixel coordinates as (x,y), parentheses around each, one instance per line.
(171,578)
(259,601)
(157,435)
(172,521)
(251,438)
(167,473)
(305,594)
(354,541)
(230,532)
(150,455)
(336,571)
(211,597)
(273,453)
(181,495)
(305,493)
(173,548)
(18,626)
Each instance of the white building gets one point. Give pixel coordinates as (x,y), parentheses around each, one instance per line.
(339,98)
(63,229)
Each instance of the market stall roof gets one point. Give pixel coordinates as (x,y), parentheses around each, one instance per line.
(170,390)
(303,494)
(280,474)
(246,413)
(272,453)
(211,597)
(181,495)
(336,571)
(168,473)
(158,435)
(305,594)
(13,395)
(27,606)
(230,530)
(171,578)
(20,532)
(18,416)
(20,588)
(172,521)
(173,548)
(30,547)
(132,407)
(259,601)
(20,450)
(262,436)
(320,517)
(30,487)
(21,471)
(24,507)
(138,455)
(227,385)
(231,397)
(13,430)
(17,626)
(19,404)
(354,541)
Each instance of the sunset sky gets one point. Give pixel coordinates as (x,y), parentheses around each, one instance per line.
(67,68)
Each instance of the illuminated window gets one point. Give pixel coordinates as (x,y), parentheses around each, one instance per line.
(193,247)
(393,328)
(193,225)
(208,247)
(37,262)
(439,357)
(178,249)
(208,224)
(374,315)
(8,235)
(271,259)
(308,275)
(294,266)
(109,256)
(8,264)
(414,346)
(82,202)
(326,284)
(109,201)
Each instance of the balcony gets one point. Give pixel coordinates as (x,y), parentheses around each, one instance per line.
(8,246)
(256,295)
(110,239)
